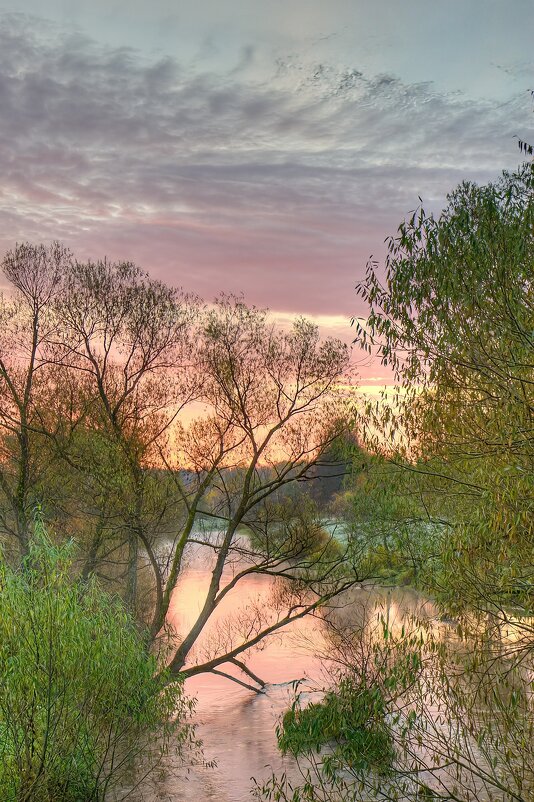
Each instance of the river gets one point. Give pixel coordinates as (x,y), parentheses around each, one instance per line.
(237,726)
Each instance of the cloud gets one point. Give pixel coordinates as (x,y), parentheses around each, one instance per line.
(278,184)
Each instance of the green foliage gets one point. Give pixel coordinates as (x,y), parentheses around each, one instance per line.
(420,712)
(80,696)
(396,533)
(346,745)
(455,320)
(349,721)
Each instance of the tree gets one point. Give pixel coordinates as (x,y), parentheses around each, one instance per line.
(413,713)
(126,338)
(28,329)
(270,413)
(386,510)
(272,410)
(455,320)
(134,470)
(80,696)
(526,148)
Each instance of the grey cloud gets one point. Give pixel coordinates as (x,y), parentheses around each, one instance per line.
(281,188)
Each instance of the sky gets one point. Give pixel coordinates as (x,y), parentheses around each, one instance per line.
(259,146)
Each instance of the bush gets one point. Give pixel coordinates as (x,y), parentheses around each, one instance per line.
(80,697)
(349,720)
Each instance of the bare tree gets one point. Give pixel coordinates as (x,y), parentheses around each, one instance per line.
(28,330)
(273,407)
(126,337)
(136,475)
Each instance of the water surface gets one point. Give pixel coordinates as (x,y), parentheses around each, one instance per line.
(237,726)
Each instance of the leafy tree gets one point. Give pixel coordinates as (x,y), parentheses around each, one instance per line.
(80,697)
(270,412)
(386,513)
(525,148)
(453,316)
(351,718)
(126,335)
(455,320)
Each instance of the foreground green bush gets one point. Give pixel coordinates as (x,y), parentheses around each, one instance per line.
(80,698)
(349,720)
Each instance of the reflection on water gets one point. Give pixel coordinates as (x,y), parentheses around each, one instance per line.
(237,727)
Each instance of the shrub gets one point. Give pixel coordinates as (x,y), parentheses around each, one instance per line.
(349,720)
(80,697)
